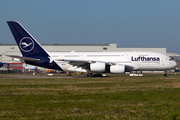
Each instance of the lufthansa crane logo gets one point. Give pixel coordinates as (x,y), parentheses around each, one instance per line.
(26,44)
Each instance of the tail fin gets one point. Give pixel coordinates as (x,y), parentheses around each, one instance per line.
(26,43)
(33,53)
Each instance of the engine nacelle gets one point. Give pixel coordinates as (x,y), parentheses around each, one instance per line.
(97,67)
(117,69)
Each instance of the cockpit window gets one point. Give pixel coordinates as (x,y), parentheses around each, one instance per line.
(170,59)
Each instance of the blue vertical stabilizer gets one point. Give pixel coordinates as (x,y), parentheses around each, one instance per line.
(26,43)
(33,53)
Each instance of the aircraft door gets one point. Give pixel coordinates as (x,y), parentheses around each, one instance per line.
(162,61)
(81,56)
(60,56)
(127,56)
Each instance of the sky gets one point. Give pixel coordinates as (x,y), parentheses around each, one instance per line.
(128,23)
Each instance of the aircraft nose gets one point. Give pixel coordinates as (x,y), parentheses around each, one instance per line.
(174,64)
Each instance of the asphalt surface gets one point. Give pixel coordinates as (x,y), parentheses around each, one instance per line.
(31,76)
(40,76)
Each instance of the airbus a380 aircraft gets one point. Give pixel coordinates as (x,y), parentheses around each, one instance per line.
(88,62)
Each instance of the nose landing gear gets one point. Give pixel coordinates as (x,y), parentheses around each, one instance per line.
(166,74)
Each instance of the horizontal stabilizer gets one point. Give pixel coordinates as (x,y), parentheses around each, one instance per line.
(23,58)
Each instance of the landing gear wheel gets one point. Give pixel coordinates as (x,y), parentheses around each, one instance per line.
(86,75)
(90,75)
(166,74)
(99,75)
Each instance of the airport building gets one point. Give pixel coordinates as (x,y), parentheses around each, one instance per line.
(12,49)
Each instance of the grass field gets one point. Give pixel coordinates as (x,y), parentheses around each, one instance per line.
(124,97)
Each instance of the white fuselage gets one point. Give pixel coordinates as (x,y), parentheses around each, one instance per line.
(138,61)
(91,62)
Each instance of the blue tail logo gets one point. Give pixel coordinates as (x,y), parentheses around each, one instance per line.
(30,48)
(26,44)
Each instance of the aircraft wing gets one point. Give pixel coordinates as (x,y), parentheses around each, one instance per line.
(81,61)
(84,61)
(23,58)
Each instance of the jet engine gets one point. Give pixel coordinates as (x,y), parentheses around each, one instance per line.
(117,69)
(97,67)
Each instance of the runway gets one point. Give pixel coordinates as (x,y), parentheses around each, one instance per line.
(30,76)
(46,76)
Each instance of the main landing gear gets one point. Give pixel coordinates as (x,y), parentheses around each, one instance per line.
(165,74)
(93,75)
